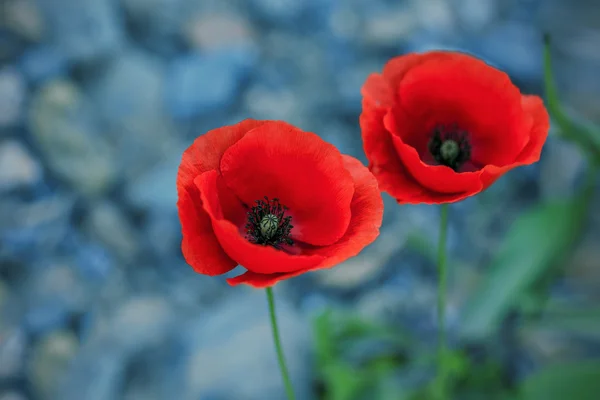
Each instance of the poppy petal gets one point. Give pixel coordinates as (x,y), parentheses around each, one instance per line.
(539,123)
(367,214)
(533,107)
(260,281)
(465,91)
(206,151)
(439,178)
(384,162)
(200,247)
(304,172)
(254,257)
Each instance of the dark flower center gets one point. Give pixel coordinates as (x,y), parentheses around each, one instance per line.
(267,224)
(450,146)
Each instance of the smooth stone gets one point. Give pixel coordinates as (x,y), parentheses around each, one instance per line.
(129,98)
(23,18)
(13,349)
(50,361)
(108,224)
(369,263)
(56,293)
(156,188)
(83,30)
(233,344)
(96,373)
(200,84)
(209,31)
(43,63)
(30,229)
(561,166)
(18,168)
(13,93)
(69,139)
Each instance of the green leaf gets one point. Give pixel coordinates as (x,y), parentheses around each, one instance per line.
(587,137)
(344,382)
(577,381)
(536,241)
(582,322)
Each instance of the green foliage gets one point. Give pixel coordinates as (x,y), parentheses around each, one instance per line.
(537,240)
(578,380)
(344,380)
(587,137)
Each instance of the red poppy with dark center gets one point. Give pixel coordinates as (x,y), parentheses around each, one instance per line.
(441,126)
(274,199)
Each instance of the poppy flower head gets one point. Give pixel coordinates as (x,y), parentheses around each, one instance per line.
(274,199)
(441,126)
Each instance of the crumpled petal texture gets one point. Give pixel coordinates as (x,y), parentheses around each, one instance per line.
(334,201)
(417,92)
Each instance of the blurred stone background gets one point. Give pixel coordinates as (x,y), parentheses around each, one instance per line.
(98,98)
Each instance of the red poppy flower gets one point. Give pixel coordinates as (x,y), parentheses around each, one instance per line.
(441,126)
(274,199)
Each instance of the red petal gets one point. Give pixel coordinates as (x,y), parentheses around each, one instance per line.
(437,178)
(206,151)
(367,213)
(538,122)
(256,258)
(381,89)
(464,90)
(199,246)
(304,172)
(534,109)
(384,162)
(260,281)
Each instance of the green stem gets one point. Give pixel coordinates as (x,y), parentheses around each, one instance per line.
(280,357)
(441,299)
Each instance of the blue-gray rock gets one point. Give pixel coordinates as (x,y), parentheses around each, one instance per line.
(163,233)
(65,132)
(200,84)
(128,95)
(13,92)
(12,395)
(263,102)
(215,30)
(96,373)
(50,360)
(43,63)
(22,18)
(140,322)
(30,229)
(157,22)
(156,188)
(234,344)
(18,168)
(109,225)
(55,293)
(514,47)
(84,30)
(278,12)
(369,264)
(13,349)
(385,27)
(93,261)
(349,83)
(561,166)
(475,15)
